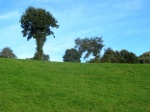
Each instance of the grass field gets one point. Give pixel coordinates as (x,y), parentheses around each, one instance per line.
(38,86)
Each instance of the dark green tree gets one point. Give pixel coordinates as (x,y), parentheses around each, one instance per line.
(132,58)
(71,55)
(128,57)
(37,24)
(122,56)
(89,46)
(145,57)
(7,53)
(109,56)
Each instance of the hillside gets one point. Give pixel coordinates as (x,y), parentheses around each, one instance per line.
(145,55)
(39,86)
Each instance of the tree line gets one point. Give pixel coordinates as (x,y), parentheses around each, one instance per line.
(75,54)
(93,46)
(37,24)
(7,52)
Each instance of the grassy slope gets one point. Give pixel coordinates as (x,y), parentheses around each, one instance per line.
(27,86)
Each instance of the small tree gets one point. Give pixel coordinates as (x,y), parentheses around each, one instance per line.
(132,58)
(7,53)
(128,57)
(37,23)
(71,55)
(89,46)
(109,56)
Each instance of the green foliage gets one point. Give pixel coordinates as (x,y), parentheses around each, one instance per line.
(145,58)
(37,23)
(122,56)
(109,56)
(94,60)
(71,55)
(89,46)
(7,53)
(45,57)
(128,57)
(41,86)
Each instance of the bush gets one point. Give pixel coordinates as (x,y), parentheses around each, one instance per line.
(72,55)
(7,53)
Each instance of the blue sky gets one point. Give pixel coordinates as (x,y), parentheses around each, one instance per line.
(123,24)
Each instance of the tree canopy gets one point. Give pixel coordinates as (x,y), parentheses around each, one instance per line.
(89,46)
(122,56)
(145,57)
(71,55)
(7,53)
(37,24)
(109,56)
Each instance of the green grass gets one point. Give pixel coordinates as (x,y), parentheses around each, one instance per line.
(37,86)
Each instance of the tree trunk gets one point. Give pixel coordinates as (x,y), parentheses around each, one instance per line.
(39,49)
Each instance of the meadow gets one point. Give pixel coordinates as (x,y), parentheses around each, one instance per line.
(41,86)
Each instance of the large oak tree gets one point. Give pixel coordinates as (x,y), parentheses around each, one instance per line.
(37,24)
